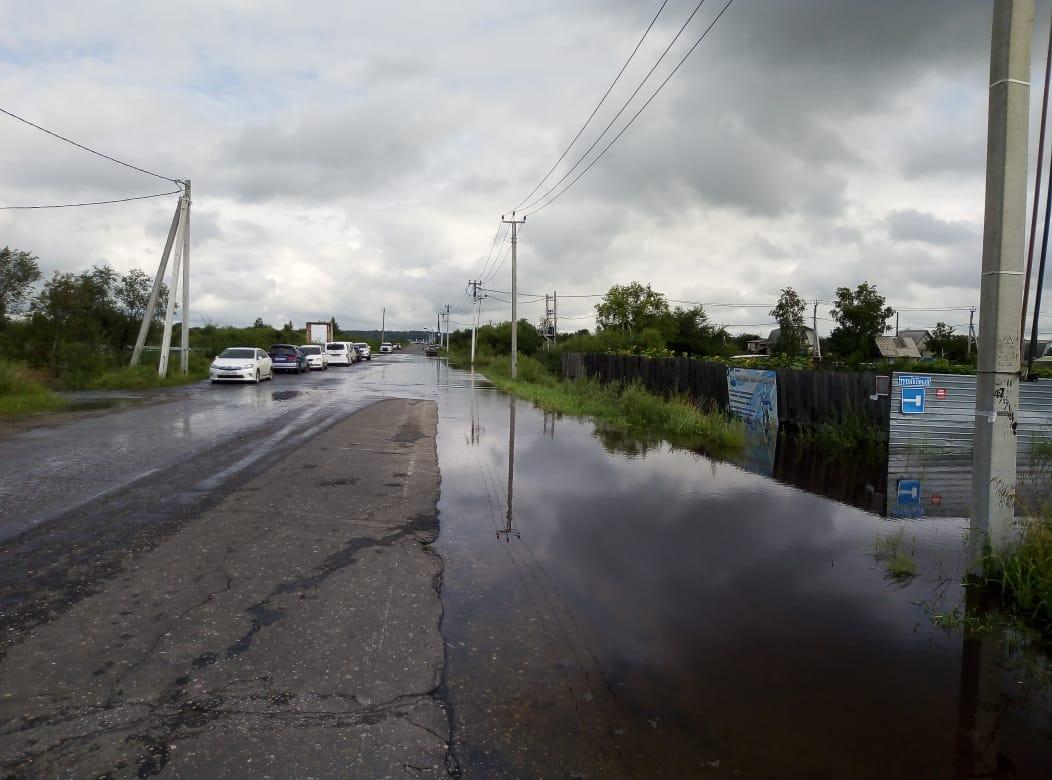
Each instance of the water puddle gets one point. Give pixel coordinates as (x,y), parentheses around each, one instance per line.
(614,607)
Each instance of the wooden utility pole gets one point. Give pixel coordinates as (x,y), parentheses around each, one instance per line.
(1001,292)
(514,292)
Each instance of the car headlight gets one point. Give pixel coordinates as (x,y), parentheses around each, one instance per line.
(248,365)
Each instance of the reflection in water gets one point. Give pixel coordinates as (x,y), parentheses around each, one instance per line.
(509,527)
(672,615)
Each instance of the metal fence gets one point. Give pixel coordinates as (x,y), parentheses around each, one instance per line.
(930,444)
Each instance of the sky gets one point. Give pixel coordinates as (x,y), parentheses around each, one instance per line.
(348,158)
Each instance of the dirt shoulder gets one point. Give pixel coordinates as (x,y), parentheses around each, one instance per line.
(289,630)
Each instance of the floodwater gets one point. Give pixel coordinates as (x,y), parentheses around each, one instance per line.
(615,608)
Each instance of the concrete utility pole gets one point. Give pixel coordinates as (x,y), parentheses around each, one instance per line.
(448,307)
(971,332)
(438,329)
(184,336)
(181,253)
(514,292)
(814,327)
(555,317)
(158,280)
(383,324)
(1001,292)
(474,317)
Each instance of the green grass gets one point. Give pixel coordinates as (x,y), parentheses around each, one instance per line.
(24,391)
(144,376)
(852,432)
(888,549)
(630,408)
(1022,575)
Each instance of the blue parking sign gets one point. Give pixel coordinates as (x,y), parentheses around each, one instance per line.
(913,400)
(908,491)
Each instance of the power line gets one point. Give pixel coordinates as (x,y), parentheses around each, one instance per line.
(88,149)
(597,107)
(614,140)
(490,257)
(92,203)
(621,110)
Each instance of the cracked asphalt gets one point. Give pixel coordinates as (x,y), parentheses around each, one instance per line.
(287,628)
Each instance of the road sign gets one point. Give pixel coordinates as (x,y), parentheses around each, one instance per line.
(908,491)
(913,400)
(909,380)
(940,394)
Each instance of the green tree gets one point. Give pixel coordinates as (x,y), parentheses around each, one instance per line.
(19,271)
(259,323)
(631,307)
(690,331)
(861,314)
(792,332)
(941,339)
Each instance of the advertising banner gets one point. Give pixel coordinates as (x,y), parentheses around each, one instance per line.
(753,395)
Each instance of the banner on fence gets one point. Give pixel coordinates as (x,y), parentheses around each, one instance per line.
(753,396)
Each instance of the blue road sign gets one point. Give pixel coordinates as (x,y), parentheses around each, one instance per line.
(913,400)
(908,491)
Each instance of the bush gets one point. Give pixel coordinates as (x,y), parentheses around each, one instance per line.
(24,390)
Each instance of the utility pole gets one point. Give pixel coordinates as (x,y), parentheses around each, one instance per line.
(448,307)
(181,252)
(814,327)
(179,237)
(514,292)
(474,317)
(896,324)
(438,329)
(555,316)
(383,324)
(1001,284)
(971,332)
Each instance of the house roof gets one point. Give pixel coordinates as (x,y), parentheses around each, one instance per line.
(901,347)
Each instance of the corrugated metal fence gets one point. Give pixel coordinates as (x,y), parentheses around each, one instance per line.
(804,397)
(933,448)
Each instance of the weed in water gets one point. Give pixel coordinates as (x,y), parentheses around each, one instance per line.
(888,549)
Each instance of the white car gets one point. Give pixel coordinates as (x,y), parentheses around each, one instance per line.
(340,353)
(317,358)
(364,350)
(241,364)
(386,347)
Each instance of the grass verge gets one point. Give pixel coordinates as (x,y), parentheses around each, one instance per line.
(144,377)
(675,419)
(1022,575)
(23,391)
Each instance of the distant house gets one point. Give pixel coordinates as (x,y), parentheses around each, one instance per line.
(920,338)
(765,346)
(893,347)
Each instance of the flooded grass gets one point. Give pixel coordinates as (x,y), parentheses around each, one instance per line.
(630,407)
(144,377)
(1023,575)
(853,432)
(889,550)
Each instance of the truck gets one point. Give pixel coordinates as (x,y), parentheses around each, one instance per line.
(320,332)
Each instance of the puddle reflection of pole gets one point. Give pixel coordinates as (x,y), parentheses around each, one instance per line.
(509,528)
(476,428)
(549,424)
(978,711)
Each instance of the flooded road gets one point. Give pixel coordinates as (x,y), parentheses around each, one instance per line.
(612,608)
(618,609)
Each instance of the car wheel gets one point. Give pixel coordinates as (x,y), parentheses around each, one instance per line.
(257,376)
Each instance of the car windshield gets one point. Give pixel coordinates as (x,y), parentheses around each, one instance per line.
(362,346)
(335,346)
(238,353)
(311,350)
(281,349)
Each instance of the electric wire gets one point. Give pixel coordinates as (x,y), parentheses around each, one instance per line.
(624,129)
(620,111)
(92,203)
(89,149)
(594,110)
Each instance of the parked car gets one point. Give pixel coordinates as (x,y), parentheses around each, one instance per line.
(241,364)
(365,350)
(317,358)
(386,347)
(288,357)
(341,353)
(431,350)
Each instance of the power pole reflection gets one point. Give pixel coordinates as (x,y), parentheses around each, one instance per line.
(475,436)
(549,424)
(509,527)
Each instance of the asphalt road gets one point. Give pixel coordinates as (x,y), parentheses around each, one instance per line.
(235,582)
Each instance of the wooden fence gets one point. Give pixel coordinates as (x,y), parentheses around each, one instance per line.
(804,397)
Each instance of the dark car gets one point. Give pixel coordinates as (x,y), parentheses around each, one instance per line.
(288,357)
(431,350)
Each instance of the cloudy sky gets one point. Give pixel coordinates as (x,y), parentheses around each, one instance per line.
(349,156)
